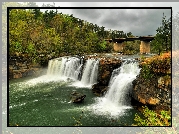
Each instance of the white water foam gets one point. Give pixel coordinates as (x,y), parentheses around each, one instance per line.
(115,102)
(90,74)
(60,69)
(19,105)
(69,69)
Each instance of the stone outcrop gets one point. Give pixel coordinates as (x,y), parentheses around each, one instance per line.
(19,68)
(77,97)
(154,92)
(152,86)
(106,67)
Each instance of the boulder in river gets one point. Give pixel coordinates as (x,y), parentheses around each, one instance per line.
(77,97)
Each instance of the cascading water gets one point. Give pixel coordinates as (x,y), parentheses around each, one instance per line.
(94,73)
(60,69)
(90,72)
(115,101)
(65,67)
(71,67)
(89,75)
(55,92)
(54,66)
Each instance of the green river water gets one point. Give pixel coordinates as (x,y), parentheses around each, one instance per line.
(47,104)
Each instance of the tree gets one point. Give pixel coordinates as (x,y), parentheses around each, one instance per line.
(162,40)
(129,34)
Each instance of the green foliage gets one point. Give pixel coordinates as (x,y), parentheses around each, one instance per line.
(146,72)
(159,64)
(52,34)
(142,57)
(31,49)
(162,40)
(131,47)
(151,118)
(18,47)
(102,46)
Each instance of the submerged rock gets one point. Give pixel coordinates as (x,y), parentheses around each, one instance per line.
(76,97)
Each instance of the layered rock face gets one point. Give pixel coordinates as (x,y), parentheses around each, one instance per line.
(19,68)
(155,92)
(153,86)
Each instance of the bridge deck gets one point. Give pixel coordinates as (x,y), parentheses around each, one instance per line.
(142,38)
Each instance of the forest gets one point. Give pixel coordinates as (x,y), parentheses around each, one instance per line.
(39,36)
(34,34)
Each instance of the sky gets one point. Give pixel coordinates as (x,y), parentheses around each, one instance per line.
(141,22)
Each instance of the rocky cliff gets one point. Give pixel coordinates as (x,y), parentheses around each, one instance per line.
(153,85)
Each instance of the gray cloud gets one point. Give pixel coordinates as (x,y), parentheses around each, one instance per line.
(138,21)
(87,13)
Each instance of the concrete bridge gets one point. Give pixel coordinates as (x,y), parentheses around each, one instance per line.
(144,45)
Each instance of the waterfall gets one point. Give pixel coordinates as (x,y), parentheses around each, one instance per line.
(116,99)
(120,83)
(71,66)
(90,72)
(65,67)
(54,66)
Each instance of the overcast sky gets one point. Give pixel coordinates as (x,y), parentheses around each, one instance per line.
(141,22)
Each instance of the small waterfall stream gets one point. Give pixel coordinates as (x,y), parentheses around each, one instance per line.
(65,67)
(90,72)
(120,83)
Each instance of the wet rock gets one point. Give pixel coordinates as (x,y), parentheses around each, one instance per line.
(17,74)
(99,90)
(154,90)
(77,97)
(106,67)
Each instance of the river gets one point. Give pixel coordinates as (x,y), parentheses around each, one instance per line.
(45,100)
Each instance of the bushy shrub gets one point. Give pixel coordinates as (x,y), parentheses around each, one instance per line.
(152,118)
